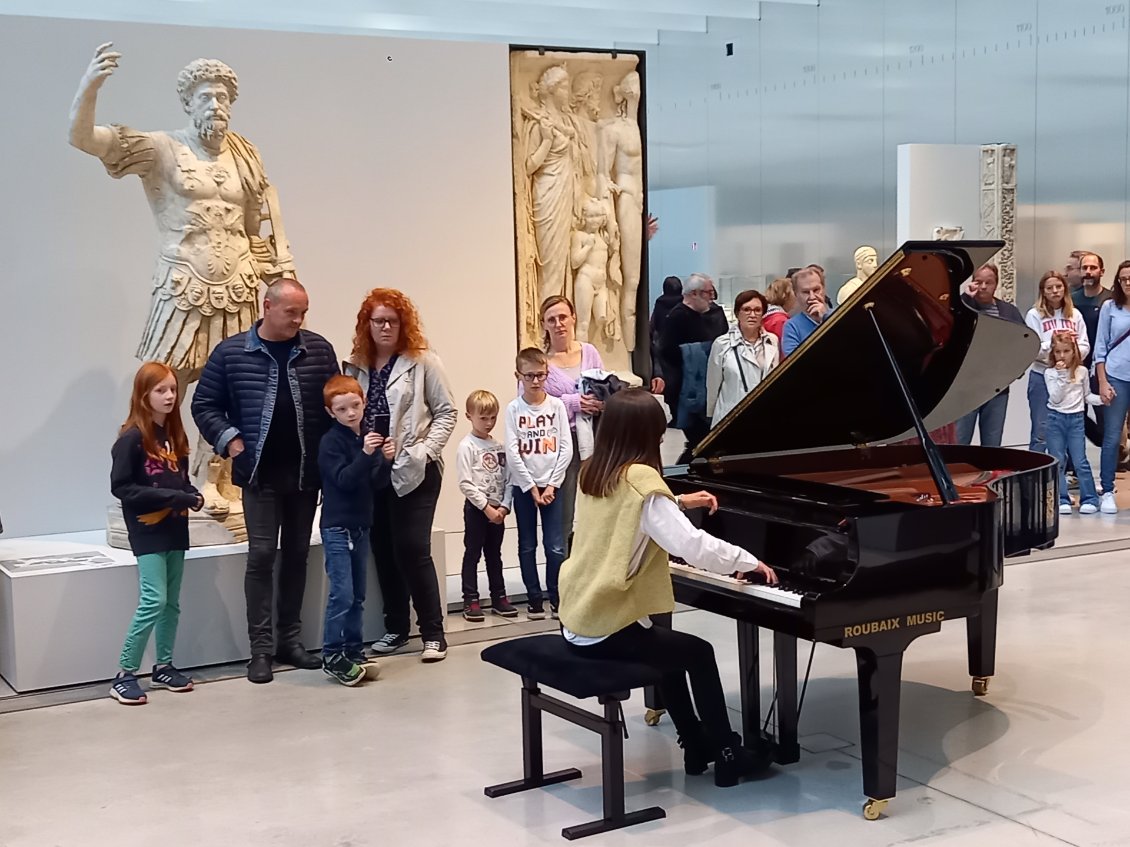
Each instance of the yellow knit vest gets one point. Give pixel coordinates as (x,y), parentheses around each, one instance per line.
(597,596)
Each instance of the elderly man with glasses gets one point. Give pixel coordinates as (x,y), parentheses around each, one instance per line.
(688,332)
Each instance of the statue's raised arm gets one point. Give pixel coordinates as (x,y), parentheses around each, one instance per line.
(84,134)
(220,230)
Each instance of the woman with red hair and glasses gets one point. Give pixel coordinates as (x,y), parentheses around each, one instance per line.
(407,400)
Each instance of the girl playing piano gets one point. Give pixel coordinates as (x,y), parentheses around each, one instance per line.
(628,522)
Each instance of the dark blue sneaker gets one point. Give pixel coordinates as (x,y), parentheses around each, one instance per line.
(339,667)
(127,690)
(169,677)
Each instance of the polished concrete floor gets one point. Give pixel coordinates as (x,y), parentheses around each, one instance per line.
(1044,759)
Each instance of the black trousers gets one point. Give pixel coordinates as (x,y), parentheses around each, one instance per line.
(401,539)
(677,655)
(481,539)
(1093,429)
(277,522)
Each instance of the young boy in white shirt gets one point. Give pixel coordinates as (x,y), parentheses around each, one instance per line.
(539,448)
(480,465)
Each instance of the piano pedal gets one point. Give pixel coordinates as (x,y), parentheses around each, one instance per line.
(872,809)
(652,717)
(980,686)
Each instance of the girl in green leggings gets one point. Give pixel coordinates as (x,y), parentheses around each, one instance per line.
(150,477)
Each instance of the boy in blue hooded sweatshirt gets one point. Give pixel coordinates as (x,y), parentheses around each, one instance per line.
(349,462)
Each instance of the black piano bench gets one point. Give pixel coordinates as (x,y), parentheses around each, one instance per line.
(548,660)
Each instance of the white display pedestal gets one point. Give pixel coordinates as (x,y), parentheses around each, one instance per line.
(938,185)
(63,625)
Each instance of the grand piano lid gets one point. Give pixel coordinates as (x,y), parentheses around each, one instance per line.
(837,389)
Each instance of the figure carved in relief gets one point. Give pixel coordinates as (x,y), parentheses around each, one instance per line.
(210,199)
(620,169)
(597,275)
(551,163)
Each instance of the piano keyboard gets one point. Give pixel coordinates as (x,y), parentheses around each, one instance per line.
(772,593)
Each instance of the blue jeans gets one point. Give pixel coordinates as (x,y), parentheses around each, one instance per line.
(1066,439)
(991,414)
(552,539)
(1038,411)
(347,556)
(1113,416)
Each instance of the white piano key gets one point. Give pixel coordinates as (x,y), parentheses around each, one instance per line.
(780,596)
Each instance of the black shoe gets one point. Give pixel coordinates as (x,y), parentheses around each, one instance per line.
(296,655)
(259,668)
(735,761)
(698,752)
(390,642)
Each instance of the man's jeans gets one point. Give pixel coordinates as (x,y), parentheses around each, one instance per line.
(1038,411)
(347,557)
(553,542)
(990,416)
(1066,439)
(270,514)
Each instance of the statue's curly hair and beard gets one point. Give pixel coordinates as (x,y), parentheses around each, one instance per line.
(211,127)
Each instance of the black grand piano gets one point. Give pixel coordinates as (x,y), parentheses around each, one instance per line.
(877,540)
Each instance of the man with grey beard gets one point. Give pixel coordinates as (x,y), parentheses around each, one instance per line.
(210,199)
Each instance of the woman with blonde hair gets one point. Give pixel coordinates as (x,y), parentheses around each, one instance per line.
(1052,313)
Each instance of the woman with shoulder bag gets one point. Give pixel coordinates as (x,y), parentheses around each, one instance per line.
(741,358)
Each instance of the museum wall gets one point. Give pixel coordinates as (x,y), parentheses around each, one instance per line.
(392,159)
(798,129)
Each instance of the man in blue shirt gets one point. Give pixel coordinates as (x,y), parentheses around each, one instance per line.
(808,285)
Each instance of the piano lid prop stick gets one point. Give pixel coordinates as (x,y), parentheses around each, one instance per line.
(946,489)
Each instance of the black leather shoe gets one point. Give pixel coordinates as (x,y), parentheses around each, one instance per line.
(259,669)
(296,655)
(736,761)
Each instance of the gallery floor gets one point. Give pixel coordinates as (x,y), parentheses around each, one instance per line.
(402,761)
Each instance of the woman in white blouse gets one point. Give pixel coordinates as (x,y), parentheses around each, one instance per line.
(741,358)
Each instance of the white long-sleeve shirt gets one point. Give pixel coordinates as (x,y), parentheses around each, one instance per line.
(1047,327)
(481,468)
(1067,397)
(539,445)
(663,522)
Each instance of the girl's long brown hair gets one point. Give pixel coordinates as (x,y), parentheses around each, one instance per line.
(1042,307)
(148,376)
(631,429)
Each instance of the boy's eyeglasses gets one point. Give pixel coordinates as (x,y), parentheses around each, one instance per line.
(541,376)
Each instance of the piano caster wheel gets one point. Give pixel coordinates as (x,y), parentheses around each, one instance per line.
(872,809)
(980,686)
(652,716)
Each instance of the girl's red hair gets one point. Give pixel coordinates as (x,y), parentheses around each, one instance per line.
(411,338)
(148,376)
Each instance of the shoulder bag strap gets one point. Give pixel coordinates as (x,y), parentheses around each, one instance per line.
(741,370)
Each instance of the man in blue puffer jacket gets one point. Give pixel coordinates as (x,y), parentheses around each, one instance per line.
(259,402)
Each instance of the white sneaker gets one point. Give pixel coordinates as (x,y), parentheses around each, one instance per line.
(434,651)
(1088,509)
(1065,509)
(1109,507)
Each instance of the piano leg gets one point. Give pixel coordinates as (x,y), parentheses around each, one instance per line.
(784,657)
(981,632)
(652,701)
(750,679)
(880,681)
